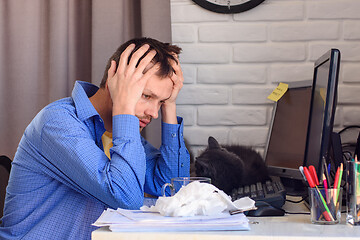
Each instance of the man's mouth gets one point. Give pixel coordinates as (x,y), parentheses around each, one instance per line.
(144,122)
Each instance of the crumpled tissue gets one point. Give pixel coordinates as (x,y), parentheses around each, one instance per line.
(198,198)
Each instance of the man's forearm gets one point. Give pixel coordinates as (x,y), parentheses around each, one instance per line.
(168,113)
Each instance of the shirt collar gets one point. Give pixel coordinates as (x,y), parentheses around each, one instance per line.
(80,94)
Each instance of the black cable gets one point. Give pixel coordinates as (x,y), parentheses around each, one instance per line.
(350,145)
(305,213)
(347,155)
(348,127)
(299,201)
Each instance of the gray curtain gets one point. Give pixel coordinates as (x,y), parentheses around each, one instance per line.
(46,45)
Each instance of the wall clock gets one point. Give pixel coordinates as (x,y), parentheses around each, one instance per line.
(228,6)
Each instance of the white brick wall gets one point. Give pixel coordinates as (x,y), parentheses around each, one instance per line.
(231,62)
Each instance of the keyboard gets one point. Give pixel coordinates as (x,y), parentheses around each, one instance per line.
(272,192)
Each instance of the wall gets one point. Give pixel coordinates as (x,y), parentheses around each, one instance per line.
(232,62)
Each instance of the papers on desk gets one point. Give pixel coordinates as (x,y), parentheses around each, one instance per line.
(143,221)
(195,207)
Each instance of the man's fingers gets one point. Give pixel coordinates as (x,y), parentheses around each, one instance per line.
(136,56)
(177,76)
(144,63)
(176,66)
(123,62)
(112,69)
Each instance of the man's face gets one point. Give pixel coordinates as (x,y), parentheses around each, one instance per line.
(155,93)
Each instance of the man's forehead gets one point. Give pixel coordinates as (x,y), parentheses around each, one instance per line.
(159,87)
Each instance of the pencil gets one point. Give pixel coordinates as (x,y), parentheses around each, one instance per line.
(357,183)
(339,183)
(336,182)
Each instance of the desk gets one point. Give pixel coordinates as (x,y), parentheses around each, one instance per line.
(296,227)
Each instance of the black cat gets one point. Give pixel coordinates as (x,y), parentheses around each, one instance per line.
(230,166)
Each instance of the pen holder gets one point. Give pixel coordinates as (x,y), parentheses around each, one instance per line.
(353,192)
(325,205)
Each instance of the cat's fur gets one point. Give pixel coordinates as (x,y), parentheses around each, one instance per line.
(230,166)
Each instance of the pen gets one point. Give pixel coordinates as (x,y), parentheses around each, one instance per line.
(326,171)
(308,177)
(336,177)
(301,168)
(313,174)
(326,188)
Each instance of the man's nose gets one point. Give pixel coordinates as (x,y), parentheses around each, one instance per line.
(153,110)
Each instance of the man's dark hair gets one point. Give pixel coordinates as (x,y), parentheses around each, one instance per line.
(164,52)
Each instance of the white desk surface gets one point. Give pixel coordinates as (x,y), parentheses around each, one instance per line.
(288,227)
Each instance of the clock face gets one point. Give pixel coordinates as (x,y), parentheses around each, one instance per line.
(228,6)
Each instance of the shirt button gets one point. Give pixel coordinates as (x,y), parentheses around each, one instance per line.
(173,134)
(182,165)
(100,120)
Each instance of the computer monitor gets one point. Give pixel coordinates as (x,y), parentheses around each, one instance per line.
(302,123)
(322,110)
(286,141)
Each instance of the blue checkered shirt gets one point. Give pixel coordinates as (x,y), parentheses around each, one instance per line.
(61,180)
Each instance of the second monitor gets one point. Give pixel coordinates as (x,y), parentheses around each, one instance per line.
(302,122)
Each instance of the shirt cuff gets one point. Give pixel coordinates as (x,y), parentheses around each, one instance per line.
(172,133)
(125,125)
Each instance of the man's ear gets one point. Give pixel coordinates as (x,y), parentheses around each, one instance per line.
(107,91)
(106,88)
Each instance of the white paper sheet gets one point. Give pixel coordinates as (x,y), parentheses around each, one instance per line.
(142,221)
(196,207)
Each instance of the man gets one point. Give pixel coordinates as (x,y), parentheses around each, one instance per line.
(64,174)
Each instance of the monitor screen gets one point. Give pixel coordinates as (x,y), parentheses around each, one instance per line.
(322,111)
(286,141)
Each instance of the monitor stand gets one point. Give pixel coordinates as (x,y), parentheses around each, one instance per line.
(294,187)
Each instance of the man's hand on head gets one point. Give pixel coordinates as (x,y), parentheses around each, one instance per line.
(177,78)
(168,109)
(127,82)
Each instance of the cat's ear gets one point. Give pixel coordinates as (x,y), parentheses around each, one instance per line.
(213,144)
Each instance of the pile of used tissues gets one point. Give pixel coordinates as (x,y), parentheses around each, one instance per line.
(199,199)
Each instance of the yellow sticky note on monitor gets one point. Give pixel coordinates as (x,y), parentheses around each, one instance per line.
(278,92)
(323,93)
